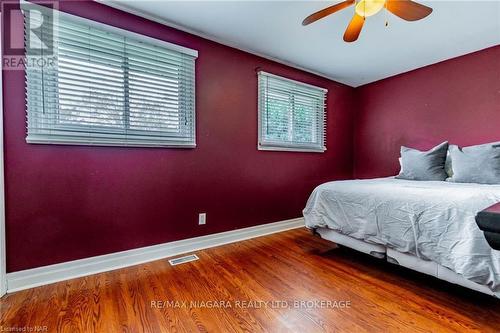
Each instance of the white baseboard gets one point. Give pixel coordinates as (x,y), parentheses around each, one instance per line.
(35,277)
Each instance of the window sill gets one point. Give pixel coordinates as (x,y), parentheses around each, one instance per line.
(109,143)
(291,149)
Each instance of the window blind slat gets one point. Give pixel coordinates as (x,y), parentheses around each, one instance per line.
(110,87)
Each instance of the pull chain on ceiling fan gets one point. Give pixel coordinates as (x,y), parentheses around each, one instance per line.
(406,9)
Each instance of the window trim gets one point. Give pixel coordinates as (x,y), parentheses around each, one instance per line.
(3,248)
(103,140)
(283,146)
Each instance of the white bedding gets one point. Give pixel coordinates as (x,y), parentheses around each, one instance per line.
(433,220)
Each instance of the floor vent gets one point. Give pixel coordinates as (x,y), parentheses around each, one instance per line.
(182,260)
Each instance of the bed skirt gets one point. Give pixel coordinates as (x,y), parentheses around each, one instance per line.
(403,259)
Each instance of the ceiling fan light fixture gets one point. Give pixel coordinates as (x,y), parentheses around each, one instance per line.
(408,10)
(367,8)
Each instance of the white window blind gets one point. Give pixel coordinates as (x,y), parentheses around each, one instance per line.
(291,114)
(110,87)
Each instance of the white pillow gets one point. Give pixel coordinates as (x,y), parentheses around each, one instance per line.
(447,164)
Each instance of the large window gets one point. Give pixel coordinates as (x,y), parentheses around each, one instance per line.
(291,115)
(108,86)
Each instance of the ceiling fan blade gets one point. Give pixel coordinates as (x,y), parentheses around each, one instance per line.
(408,10)
(354,28)
(327,11)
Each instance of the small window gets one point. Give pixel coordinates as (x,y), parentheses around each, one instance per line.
(108,86)
(291,115)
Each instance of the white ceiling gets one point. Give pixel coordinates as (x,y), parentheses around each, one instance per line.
(273,29)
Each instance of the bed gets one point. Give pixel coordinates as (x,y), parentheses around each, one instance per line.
(428,226)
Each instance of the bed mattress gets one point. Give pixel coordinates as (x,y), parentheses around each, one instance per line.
(433,221)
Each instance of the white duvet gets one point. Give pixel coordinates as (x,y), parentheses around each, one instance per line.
(432,220)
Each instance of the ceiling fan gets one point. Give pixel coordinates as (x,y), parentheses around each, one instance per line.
(406,9)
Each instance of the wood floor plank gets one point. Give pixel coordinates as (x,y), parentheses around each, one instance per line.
(280,269)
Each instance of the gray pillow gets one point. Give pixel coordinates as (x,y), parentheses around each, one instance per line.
(476,164)
(423,165)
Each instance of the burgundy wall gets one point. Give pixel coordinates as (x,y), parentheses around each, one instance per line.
(71,202)
(457,100)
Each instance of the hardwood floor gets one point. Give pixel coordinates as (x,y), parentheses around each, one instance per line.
(365,295)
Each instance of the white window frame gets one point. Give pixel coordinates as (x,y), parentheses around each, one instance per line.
(288,146)
(3,250)
(100,141)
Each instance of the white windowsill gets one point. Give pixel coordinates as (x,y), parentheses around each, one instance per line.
(110,143)
(291,149)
